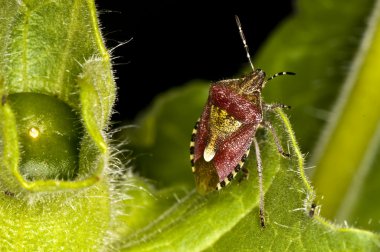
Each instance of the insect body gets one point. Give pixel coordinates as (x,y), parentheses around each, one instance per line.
(226,129)
(224,133)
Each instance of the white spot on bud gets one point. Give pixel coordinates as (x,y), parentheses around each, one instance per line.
(34,133)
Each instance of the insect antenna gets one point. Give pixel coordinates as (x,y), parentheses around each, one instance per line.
(244,41)
(278,74)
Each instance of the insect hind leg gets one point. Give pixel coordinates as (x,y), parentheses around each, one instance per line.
(260,175)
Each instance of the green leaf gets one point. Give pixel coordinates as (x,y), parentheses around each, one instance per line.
(68,221)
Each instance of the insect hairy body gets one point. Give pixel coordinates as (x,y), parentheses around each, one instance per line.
(226,129)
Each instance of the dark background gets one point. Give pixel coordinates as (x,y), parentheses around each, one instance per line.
(177,41)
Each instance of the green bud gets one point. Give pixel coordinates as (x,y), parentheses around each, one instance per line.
(49,133)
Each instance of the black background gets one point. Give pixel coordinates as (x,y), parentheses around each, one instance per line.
(177,41)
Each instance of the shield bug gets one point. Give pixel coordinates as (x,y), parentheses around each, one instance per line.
(224,133)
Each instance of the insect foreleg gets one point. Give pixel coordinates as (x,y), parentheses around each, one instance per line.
(269,126)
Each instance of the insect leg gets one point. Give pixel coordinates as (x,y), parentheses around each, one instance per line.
(245,173)
(261,190)
(269,126)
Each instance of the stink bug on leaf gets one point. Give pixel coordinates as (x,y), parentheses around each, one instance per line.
(225,131)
